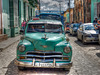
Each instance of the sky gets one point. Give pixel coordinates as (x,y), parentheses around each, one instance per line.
(54,4)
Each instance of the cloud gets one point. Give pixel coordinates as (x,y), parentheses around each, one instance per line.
(54,4)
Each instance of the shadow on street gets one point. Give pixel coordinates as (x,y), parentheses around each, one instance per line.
(98,54)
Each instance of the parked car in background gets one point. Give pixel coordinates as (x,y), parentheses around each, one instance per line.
(67,27)
(87,33)
(44,45)
(73,28)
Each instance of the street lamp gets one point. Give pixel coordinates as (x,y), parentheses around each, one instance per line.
(60,8)
(59,1)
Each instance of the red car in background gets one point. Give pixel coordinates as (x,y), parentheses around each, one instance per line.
(67,27)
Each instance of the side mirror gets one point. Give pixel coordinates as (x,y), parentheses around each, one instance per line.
(21,31)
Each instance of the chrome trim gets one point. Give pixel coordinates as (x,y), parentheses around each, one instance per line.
(30,64)
(47,60)
(46,56)
(43,52)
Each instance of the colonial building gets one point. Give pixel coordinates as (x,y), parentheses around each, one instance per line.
(66,15)
(82,11)
(0,16)
(12,13)
(95,5)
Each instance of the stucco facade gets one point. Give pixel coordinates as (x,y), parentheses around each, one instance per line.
(1,17)
(12,13)
(95,5)
(82,11)
(66,15)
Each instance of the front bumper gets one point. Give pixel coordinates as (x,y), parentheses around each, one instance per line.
(36,64)
(91,39)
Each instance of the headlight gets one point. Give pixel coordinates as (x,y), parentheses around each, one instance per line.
(67,49)
(87,35)
(21,48)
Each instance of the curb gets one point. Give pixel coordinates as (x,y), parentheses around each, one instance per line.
(11,41)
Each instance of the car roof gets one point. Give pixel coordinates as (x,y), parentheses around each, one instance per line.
(49,14)
(75,23)
(87,23)
(44,21)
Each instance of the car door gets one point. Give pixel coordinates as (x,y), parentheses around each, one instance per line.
(80,32)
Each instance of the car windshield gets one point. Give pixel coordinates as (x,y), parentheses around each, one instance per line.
(75,25)
(49,28)
(89,27)
(50,17)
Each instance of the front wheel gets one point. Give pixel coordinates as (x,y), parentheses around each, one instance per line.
(66,69)
(83,41)
(78,38)
(99,43)
(21,68)
(72,32)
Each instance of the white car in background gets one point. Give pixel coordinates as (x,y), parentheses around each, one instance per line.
(87,33)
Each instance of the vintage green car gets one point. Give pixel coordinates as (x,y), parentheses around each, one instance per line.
(44,45)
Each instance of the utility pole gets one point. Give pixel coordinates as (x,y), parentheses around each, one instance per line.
(59,1)
(60,8)
(69,11)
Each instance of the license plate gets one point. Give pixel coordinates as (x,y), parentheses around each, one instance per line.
(44,64)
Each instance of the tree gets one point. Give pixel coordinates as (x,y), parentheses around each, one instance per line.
(33,3)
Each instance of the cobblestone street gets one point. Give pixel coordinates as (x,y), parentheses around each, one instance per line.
(86,61)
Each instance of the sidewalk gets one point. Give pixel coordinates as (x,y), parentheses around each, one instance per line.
(8,42)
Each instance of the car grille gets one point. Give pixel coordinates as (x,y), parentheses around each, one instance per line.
(94,35)
(43,55)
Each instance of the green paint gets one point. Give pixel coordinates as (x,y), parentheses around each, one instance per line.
(92,9)
(34,41)
(5,16)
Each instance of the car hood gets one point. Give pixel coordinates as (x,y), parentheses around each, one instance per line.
(92,31)
(44,41)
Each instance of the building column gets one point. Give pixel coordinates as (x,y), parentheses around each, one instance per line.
(0,16)
(14,17)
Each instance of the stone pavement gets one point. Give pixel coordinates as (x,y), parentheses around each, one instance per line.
(5,44)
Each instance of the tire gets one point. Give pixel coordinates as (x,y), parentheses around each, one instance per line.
(78,38)
(72,33)
(83,41)
(99,43)
(21,68)
(66,69)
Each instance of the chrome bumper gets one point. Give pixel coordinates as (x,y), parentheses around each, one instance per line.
(34,64)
